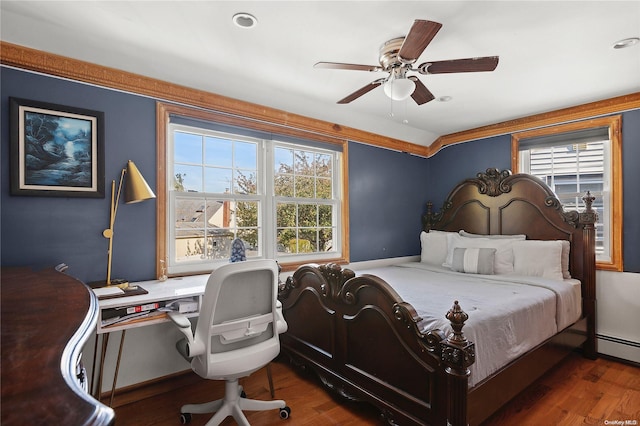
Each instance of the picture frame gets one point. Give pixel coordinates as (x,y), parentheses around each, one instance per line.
(56,150)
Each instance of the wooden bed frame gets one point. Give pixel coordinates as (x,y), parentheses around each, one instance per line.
(364,341)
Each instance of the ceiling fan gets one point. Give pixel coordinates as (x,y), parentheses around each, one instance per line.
(397,57)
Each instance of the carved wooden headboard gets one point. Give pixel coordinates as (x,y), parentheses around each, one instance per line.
(499,202)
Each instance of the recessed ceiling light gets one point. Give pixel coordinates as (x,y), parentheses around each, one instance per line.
(627,42)
(245,20)
(444,98)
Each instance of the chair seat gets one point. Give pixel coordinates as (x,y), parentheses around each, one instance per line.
(229,365)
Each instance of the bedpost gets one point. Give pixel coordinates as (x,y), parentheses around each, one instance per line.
(457,355)
(427,218)
(587,220)
(431,219)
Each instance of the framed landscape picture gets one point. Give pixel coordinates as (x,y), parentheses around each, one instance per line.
(56,150)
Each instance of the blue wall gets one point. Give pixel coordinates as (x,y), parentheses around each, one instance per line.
(455,163)
(44,231)
(631,189)
(387,192)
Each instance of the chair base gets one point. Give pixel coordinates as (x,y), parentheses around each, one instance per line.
(232,405)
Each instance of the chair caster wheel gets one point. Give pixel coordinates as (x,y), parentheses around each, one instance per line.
(185,418)
(285,412)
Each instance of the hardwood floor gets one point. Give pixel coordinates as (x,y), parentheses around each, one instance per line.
(578,391)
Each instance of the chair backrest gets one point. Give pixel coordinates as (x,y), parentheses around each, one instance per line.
(237,320)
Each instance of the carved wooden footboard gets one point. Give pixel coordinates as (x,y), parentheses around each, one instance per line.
(364,342)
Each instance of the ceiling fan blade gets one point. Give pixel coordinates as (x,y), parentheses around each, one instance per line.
(419,37)
(487,63)
(421,95)
(366,89)
(341,66)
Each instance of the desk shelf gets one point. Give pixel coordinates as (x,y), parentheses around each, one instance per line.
(157,291)
(143,322)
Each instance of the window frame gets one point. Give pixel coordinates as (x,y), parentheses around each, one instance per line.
(163,113)
(614,124)
(259,197)
(273,200)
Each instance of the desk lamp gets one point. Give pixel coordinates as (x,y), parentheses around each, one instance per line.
(136,190)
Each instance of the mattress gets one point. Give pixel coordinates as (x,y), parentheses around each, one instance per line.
(508,314)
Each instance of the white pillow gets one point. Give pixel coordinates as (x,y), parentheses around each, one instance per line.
(494,236)
(537,258)
(434,247)
(473,260)
(566,247)
(503,261)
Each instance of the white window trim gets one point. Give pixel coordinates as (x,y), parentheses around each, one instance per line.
(267,202)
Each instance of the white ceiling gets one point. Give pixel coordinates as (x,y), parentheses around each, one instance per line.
(553,54)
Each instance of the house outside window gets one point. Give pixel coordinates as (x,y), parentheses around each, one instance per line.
(281,196)
(572,160)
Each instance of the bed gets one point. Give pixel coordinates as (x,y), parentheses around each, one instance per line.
(432,356)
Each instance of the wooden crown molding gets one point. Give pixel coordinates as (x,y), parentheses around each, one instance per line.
(60,66)
(566,115)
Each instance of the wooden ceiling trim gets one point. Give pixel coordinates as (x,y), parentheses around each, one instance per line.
(566,115)
(60,66)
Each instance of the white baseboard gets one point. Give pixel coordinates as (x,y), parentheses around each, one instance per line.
(619,348)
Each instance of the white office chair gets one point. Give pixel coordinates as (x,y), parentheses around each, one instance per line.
(236,334)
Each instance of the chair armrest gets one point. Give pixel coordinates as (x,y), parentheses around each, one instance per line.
(191,348)
(281,324)
(180,320)
(184,325)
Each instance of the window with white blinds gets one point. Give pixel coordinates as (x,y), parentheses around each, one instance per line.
(576,157)
(572,164)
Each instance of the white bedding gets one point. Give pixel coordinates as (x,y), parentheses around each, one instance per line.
(508,314)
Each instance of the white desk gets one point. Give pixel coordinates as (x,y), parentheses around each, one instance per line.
(158,291)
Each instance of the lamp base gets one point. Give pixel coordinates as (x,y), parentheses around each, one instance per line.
(117,282)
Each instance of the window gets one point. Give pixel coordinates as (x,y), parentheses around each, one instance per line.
(281,195)
(573,159)
(213,196)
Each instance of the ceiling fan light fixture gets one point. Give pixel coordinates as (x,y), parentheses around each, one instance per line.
(399,89)
(244,20)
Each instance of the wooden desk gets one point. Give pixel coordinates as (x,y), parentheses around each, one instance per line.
(47,317)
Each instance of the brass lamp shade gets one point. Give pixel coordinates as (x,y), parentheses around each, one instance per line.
(136,189)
